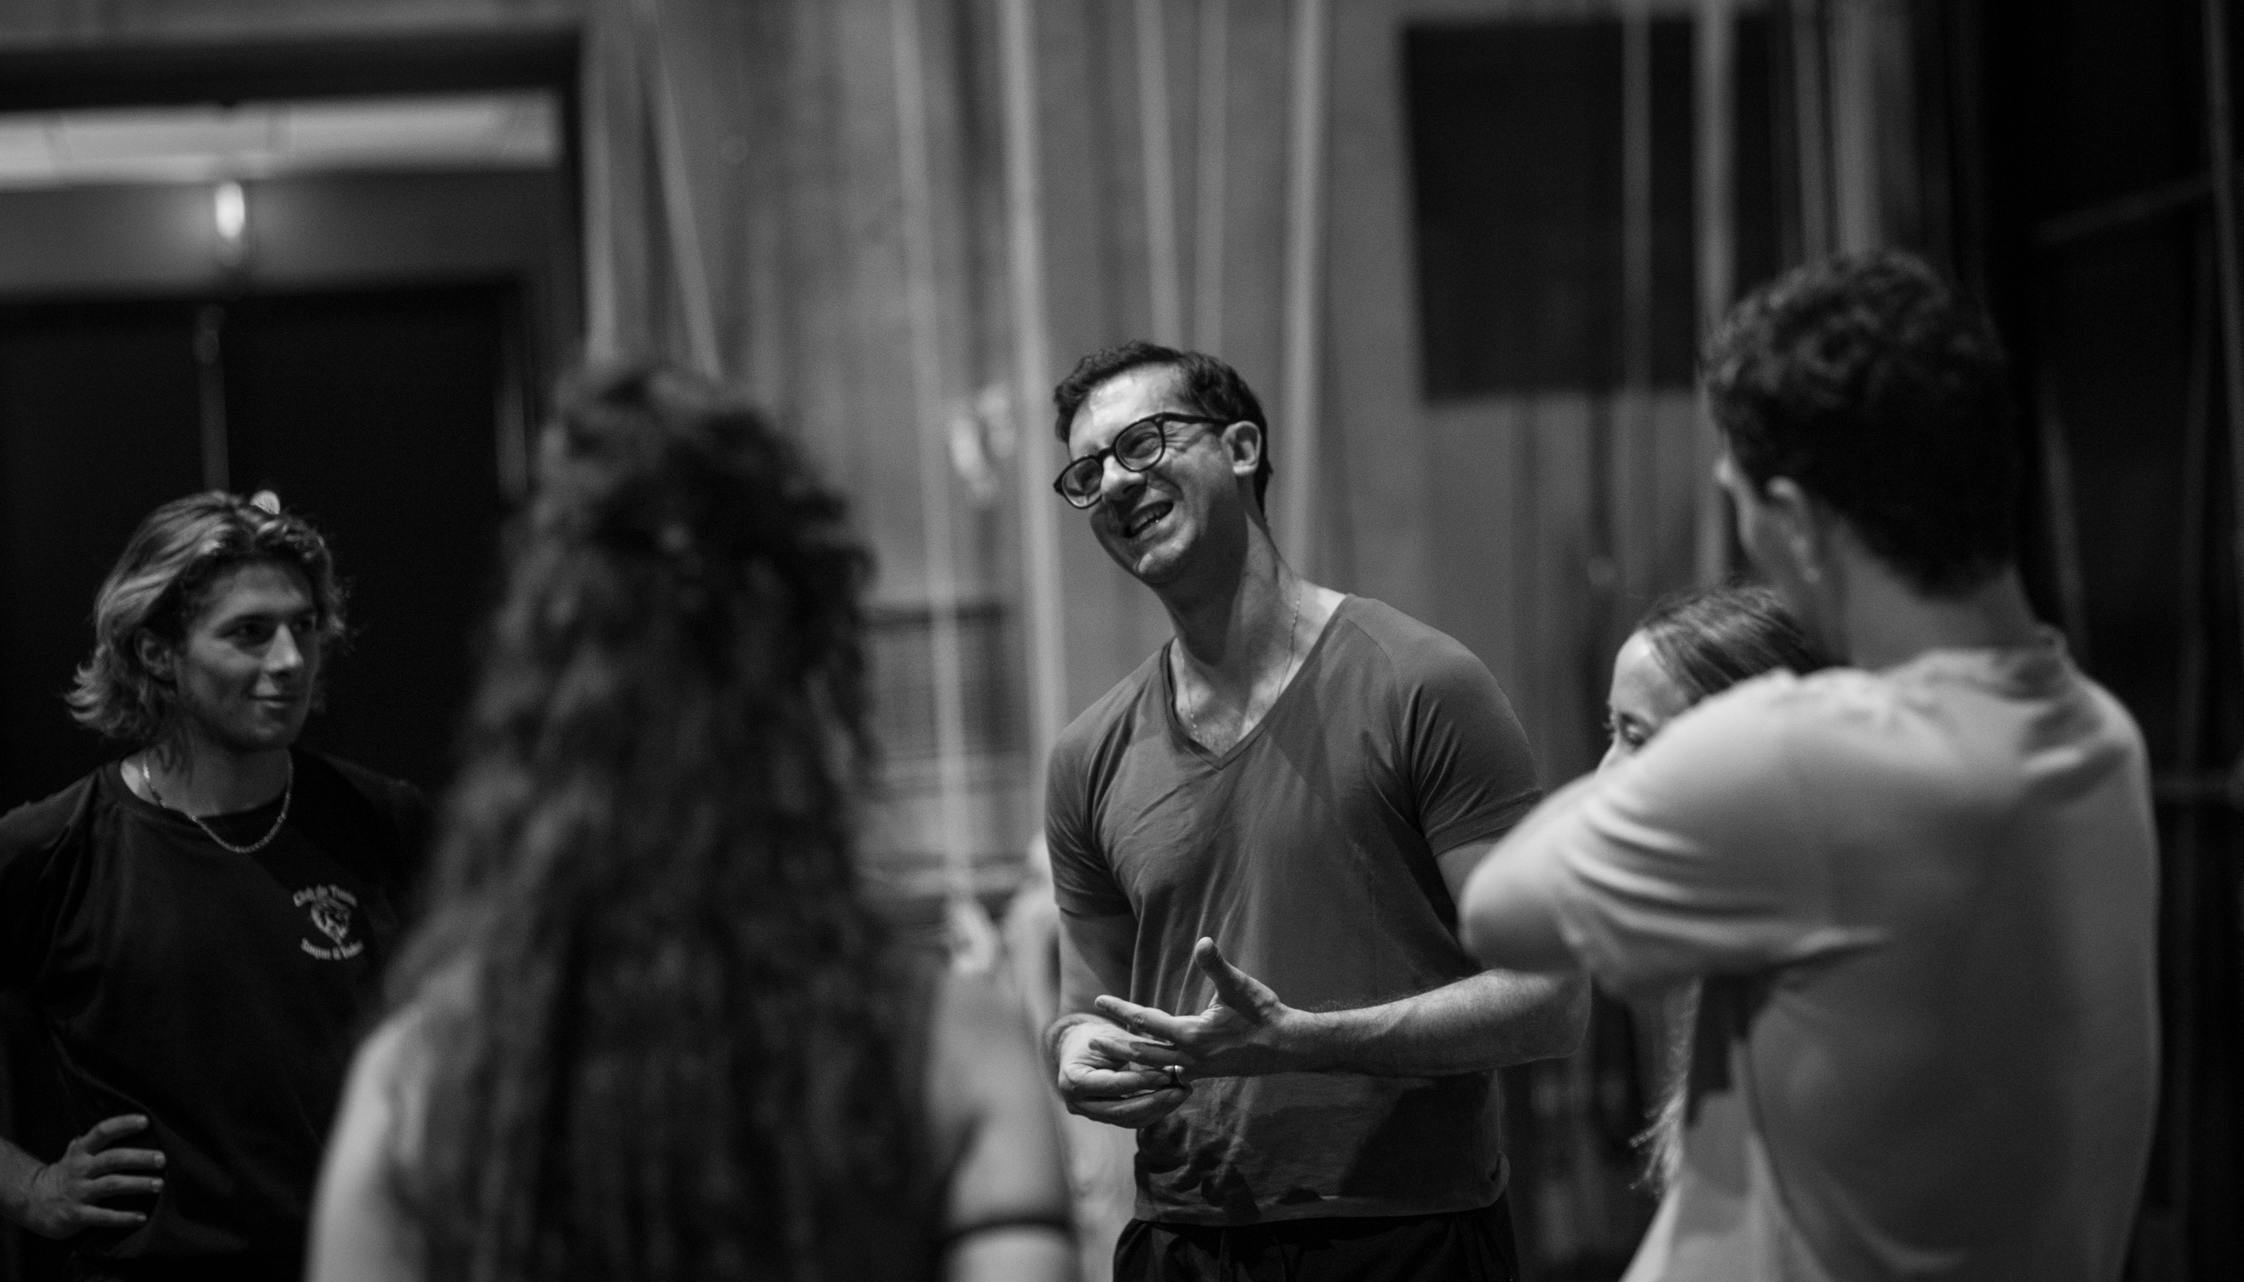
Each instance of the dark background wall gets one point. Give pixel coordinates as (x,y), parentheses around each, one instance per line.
(374,412)
(2097,204)
(376,355)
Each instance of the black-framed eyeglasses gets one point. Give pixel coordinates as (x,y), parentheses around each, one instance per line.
(1136,447)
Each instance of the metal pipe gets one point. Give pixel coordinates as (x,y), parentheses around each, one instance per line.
(1211,188)
(937,532)
(689,267)
(210,394)
(1032,374)
(1714,110)
(1618,455)
(1636,199)
(1851,40)
(1156,148)
(602,120)
(2221,140)
(1812,143)
(1304,282)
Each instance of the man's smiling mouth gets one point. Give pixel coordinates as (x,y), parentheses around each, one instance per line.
(1144,517)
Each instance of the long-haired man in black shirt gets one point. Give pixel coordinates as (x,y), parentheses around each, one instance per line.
(198,924)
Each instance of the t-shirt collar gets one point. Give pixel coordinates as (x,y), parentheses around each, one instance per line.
(2036,666)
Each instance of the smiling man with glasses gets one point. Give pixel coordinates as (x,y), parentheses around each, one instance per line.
(1257,840)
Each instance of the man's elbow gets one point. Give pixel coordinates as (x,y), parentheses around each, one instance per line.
(1567,1017)
(1491,915)
(1508,935)
(1509,922)
(1554,1026)
(1481,936)
(1473,903)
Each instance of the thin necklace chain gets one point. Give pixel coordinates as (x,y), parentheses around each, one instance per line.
(288,791)
(1184,705)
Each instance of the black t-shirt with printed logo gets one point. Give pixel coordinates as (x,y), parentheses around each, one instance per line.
(219,994)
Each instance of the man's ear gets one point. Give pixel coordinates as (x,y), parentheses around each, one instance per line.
(155,656)
(1803,522)
(1243,442)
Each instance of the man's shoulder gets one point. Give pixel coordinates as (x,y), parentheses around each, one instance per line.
(1407,643)
(40,824)
(1114,712)
(1784,712)
(1375,645)
(1386,625)
(1840,732)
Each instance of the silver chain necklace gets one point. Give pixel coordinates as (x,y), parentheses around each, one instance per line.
(288,791)
(1184,705)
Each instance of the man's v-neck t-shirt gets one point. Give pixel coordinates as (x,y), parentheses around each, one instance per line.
(1308,851)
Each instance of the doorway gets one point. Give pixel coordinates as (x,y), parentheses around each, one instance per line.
(385,416)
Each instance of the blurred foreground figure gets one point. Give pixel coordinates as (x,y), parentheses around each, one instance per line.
(1099,1157)
(1921,889)
(201,925)
(653,1030)
(1257,839)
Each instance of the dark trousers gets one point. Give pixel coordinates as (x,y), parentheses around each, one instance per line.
(1468,1246)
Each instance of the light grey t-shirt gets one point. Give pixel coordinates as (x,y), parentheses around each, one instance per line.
(1925,899)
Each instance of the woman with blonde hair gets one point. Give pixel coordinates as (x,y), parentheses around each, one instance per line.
(1687,647)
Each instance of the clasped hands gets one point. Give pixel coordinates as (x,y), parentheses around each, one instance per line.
(1141,1066)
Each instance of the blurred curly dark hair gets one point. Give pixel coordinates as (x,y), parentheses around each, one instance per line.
(663,1029)
(1876,386)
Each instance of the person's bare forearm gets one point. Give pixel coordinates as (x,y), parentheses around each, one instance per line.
(1490,1020)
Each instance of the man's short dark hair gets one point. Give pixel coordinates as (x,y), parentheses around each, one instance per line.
(1876,386)
(1207,384)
